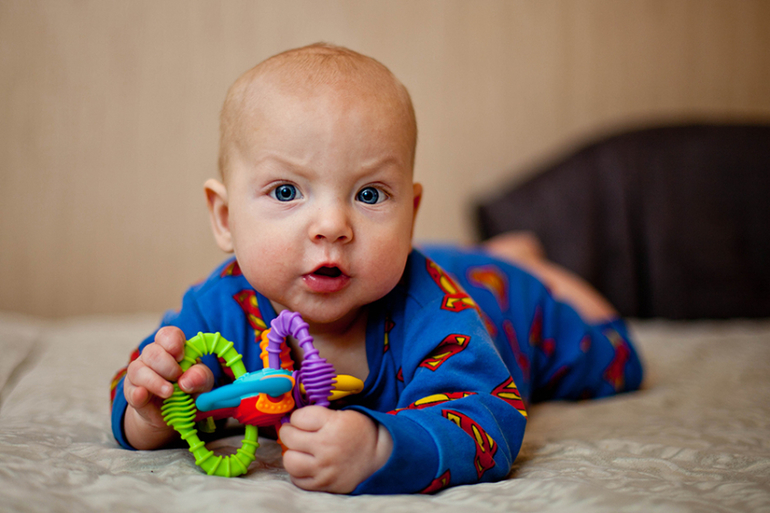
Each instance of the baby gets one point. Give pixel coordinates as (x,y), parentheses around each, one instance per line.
(318,203)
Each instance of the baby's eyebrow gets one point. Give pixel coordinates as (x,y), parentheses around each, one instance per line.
(380,162)
(290,168)
(280,159)
(388,165)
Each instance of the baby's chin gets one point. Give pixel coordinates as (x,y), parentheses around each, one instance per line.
(325,315)
(329,319)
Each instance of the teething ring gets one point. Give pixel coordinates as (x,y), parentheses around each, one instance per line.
(315,378)
(179,410)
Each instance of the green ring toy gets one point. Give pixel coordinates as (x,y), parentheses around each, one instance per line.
(179,410)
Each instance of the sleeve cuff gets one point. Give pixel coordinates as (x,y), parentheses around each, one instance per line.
(411,465)
(119,407)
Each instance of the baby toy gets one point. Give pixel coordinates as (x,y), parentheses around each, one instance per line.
(256,399)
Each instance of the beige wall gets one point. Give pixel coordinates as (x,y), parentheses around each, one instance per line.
(108,113)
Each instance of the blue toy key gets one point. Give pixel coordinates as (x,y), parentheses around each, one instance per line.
(273,382)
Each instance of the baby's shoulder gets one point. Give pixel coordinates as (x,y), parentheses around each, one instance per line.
(223,277)
(424,281)
(225,288)
(224,302)
(428,289)
(442,271)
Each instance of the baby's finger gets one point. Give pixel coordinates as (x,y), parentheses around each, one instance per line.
(172,340)
(197,379)
(137,397)
(140,375)
(161,361)
(311,418)
(299,465)
(298,440)
(308,475)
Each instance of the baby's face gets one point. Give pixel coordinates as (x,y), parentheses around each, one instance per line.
(322,203)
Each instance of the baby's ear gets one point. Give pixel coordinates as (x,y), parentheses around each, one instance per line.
(219,213)
(417,189)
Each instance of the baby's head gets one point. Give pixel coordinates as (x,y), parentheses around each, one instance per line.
(317,199)
(308,72)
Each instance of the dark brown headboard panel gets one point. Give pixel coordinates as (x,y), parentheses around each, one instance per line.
(667,222)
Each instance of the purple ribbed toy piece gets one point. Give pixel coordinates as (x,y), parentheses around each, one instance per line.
(316,374)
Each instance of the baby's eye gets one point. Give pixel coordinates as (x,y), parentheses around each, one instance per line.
(370,195)
(285,192)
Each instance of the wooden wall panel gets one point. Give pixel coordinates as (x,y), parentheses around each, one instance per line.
(108,113)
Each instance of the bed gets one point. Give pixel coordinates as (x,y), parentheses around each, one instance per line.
(696,438)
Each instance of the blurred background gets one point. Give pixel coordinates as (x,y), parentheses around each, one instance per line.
(109,114)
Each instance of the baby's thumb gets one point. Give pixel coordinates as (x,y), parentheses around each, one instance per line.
(197,379)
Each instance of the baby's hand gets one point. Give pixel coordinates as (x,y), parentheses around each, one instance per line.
(333,451)
(147,384)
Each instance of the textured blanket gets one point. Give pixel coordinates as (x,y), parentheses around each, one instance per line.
(696,438)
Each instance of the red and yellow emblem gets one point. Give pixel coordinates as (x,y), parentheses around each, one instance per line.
(455,298)
(247,300)
(486,447)
(614,373)
(491,278)
(536,328)
(508,392)
(439,483)
(434,400)
(231,269)
(536,334)
(389,325)
(450,346)
(513,341)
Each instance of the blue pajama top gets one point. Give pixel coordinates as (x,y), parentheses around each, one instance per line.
(456,352)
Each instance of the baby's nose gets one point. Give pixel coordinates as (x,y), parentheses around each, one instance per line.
(333,225)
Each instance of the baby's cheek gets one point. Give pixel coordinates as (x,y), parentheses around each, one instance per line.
(386,266)
(260,250)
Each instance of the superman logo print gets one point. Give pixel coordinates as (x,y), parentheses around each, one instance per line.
(450,346)
(231,269)
(492,279)
(434,400)
(614,373)
(508,392)
(247,300)
(486,447)
(439,483)
(455,298)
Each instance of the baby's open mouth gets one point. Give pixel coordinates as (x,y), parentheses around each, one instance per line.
(331,272)
(327,279)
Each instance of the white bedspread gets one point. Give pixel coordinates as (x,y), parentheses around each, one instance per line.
(697,438)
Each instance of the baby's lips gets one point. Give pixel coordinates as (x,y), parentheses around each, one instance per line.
(329,269)
(331,272)
(325,284)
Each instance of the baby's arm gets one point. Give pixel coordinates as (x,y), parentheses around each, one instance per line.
(147,384)
(333,451)
(524,250)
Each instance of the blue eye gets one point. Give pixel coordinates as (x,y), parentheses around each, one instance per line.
(285,192)
(369,195)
